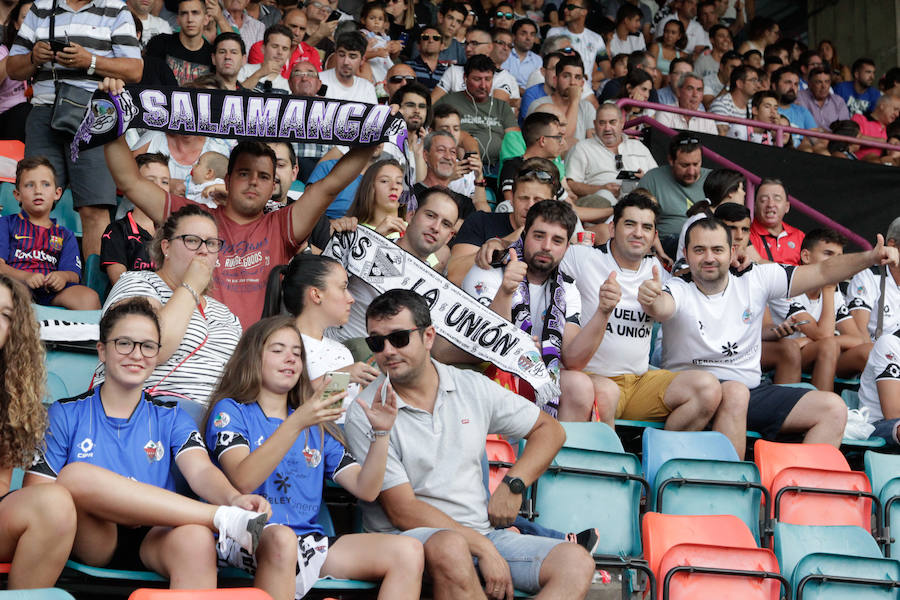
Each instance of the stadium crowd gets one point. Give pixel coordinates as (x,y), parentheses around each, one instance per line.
(262,366)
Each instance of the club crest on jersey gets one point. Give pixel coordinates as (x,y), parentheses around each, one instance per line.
(56,243)
(791,245)
(86,445)
(222,420)
(860,289)
(747,315)
(889,356)
(154,451)
(313,457)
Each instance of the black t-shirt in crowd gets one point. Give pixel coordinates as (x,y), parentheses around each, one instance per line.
(126,243)
(482,226)
(463,203)
(186,65)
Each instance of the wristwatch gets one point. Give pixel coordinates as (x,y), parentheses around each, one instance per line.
(93,66)
(515,485)
(372,434)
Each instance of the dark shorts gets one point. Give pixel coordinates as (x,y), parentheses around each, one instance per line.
(127,556)
(769,407)
(45,297)
(887,430)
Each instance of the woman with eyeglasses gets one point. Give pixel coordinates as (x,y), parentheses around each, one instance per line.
(198,333)
(271,431)
(313,289)
(113,448)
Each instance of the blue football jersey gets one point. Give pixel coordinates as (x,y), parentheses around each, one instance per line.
(141,447)
(29,247)
(294,489)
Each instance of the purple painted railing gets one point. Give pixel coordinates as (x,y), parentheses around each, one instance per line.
(752,179)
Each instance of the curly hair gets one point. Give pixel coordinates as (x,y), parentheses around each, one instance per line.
(23,417)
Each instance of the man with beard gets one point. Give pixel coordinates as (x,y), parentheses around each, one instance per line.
(712,320)
(531,291)
(342,82)
(441,158)
(676,187)
(859,94)
(228,58)
(286,170)
(786,83)
(415,108)
(743,83)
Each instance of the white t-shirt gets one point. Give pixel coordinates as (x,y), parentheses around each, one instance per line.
(696,35)
(454,80)
(328,355)
(592,163)
(883,365)
(465,185)
(278,82)
(153,26)
(722,333)
(360,91)
(588,44)
(631,43)
(626,344)
(863,293)
(739,131)
(676,121)
(782,308)
(483,284)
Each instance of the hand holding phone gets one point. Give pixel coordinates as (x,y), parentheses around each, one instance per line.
(338,383)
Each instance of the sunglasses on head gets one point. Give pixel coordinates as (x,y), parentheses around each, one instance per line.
(687,141)
(542,176)
(398,339)
(401,78)
(567,50)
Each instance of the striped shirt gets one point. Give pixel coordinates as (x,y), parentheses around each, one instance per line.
(103,27)
(211,336)
(29,247)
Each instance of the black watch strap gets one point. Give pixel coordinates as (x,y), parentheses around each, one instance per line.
(516,485)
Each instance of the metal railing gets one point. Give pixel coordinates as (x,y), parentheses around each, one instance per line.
(753,179)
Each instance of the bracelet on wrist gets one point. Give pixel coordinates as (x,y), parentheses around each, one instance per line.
(193,292)
(481,183)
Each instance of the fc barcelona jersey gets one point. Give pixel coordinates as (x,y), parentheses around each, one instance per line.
(29,247)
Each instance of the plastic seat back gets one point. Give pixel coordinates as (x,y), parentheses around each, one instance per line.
(220,594)
(95,277)
(773,457)
(678,498)
(69,373)
(691,586)
(592,436)
(792,542)
(498,450)
(11,152)
(818,577)
(881,468)
(809,508)
(660,445)
(568,501)
(37,594)
(662,532)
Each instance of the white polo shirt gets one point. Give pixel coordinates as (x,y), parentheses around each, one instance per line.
(782,308)
(883,365)
(439,453)
(863,294)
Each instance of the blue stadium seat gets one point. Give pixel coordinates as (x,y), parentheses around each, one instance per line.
(850,398)
(698,473)
(95,277)
(69,373)
(834,562)
(592,483)
(884,475)
(65,213)
(39,594)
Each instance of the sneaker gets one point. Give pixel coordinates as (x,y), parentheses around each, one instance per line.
(243,526)
(589,539)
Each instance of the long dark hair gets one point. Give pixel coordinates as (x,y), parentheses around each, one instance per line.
(363,206)
(242,375)
(287,284)
(10,30)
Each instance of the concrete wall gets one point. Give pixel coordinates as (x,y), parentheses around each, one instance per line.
(858,28)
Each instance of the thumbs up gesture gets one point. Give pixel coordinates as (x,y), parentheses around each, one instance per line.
(513,273)
(884,255)
(650,289)
(610,294)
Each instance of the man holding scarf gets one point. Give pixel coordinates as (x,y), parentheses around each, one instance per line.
(531,291)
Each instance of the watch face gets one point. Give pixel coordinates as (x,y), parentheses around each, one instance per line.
(516,485)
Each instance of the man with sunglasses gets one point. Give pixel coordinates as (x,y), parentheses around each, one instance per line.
(450,17)
(397,77)
(503,85)
(588,44)
(503,16)
(594,164)
(522,61)
(426,63)
(433,488)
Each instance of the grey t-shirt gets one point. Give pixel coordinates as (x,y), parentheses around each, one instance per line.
(486,121)
(439,454)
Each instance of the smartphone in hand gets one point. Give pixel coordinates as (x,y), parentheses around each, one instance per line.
(338,383)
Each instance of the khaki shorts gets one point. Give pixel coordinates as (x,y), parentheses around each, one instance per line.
(641,396)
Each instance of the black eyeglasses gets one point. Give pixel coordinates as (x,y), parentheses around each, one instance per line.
(475,43)
(432,38)
(558,138)
(125,346)
(398,339)
(193,242)
(619,164)
(573,6)
(542,176)
(401,78)
(504,44)
(504,15)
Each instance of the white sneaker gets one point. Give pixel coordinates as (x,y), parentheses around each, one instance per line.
(242,526)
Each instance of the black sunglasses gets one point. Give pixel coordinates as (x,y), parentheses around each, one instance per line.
(433,38)
(687,141)
(504,15)
(619,164)
(401,78)
(398,339)
(542,176)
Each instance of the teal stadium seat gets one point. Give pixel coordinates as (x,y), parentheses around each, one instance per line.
(884,475)
(834,562)
(593,483)
(39,594)
(698,473)
(95,277)
(69,373)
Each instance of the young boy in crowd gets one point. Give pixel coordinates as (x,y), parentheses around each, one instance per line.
(35,250)
(125,244)
(210,170)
